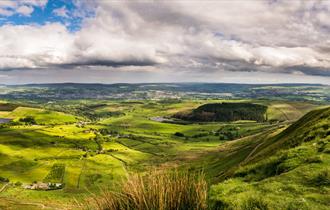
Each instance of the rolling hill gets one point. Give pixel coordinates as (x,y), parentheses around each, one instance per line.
(99,152)
(290,170)
(41,116)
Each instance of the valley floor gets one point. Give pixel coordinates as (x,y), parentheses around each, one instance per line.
(90,145)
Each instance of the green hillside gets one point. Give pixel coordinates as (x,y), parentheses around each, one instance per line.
(290,170)
(41,116)
(102,148)
(312,126)
(291,110)
(225,112)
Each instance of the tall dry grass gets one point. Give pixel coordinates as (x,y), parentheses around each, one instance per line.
(157,190)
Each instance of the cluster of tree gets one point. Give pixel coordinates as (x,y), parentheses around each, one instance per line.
(200,135)
(225,112)
(224,133)
(94,116)
(228,133)
(3,179)
(28,120)
(170,101)
(99,140)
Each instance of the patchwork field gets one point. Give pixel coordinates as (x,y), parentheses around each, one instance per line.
(88,145)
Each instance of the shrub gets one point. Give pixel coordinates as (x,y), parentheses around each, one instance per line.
(178,134)
(18,184)
(322,178)
(161,190)
(3,179)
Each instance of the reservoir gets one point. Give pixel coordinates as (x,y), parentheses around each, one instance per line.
(4,120)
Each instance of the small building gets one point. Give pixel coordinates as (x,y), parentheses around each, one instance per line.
(37,186)
(44,186)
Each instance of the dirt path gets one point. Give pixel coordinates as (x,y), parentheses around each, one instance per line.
(284,114)
(268,132)
(251,153)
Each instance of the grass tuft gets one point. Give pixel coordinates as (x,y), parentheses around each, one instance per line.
(162,190)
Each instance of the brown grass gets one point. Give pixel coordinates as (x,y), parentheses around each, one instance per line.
(157,190)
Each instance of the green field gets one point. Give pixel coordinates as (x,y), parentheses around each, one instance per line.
(91,144)
(42,116)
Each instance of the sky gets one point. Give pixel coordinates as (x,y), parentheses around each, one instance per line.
(109,41)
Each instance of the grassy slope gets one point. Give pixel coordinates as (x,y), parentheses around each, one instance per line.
(291,111)
(312,125)
(33,150)
(296,176)
(42,116)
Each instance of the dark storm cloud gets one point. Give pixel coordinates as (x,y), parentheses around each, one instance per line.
(309,70)
(108,63)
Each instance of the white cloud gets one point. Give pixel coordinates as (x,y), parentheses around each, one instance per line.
(8,4)
(37,3)
(5,12)
(34,46)
(62,12)
(188,36)
(25,10)
(22,7)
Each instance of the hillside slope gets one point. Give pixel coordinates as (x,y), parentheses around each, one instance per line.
(314,125)
(42,116)
(290,170)
(225,112)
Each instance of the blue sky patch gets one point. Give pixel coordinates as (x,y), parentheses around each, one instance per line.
(47,14)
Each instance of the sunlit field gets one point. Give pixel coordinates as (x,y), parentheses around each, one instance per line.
(87,151)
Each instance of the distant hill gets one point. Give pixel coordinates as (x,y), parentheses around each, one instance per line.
(7,107)
(290,170)
(298,92)
(225,112)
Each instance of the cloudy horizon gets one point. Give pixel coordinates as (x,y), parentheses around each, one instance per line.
(100,41)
